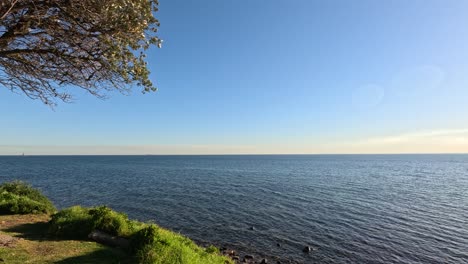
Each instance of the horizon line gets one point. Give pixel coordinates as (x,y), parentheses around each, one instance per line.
(247,154)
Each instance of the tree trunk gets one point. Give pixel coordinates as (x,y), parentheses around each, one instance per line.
(106,239)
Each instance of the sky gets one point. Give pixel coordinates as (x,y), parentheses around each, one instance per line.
(274,77)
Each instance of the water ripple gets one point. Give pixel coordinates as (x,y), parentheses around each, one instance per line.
(350,208)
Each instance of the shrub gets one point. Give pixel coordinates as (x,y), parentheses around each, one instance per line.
(20,198)
(106,220)
(148,242)
(74,222)
(112,222)
(146,236)
(154,245)
(212,249)
(77,222)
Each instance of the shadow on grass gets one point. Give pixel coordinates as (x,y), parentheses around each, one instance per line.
(39,232)
(103,256)
(31,231)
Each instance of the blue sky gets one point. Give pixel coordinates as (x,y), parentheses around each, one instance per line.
(275,77)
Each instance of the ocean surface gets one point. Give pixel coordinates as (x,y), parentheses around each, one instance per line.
(349,208)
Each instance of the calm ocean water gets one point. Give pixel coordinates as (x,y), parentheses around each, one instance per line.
(351,208)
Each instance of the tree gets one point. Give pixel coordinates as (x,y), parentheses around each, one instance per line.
(48,46)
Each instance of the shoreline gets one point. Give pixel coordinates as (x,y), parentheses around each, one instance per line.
(20,229)
(242,255)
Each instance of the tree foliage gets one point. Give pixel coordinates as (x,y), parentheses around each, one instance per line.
(47,46)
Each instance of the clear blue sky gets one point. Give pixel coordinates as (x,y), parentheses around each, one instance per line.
(273,76)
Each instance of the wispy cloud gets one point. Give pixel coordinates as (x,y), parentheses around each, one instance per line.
(447,135)
(425,141)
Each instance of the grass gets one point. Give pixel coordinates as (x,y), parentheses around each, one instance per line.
(34,245)
(20,198)
(63,236)
(77,222)
(160,246)
(149,243)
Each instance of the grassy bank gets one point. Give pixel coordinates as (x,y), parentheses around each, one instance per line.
(32,244)
(32,232)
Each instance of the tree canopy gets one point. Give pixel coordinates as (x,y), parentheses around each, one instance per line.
(48,46)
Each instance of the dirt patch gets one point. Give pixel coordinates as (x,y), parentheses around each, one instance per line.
(7,241)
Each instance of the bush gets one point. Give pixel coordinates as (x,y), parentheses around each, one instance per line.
(77,222)
(74,223)
(148,242)
(112,222)
(212,249)
(154,245)
(20,198)
(146,236)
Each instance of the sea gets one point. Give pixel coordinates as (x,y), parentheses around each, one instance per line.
(347,208)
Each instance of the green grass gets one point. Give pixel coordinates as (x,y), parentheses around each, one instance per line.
(63,236)
(77,222)
(34,245)
(20,198)
(71,223)
(160,246)
(150,243)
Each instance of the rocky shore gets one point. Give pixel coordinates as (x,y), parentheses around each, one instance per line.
(245,256)
(242,257)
